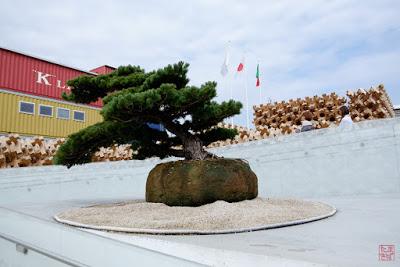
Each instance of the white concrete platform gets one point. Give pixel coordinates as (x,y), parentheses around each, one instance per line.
(356,170)
(349,238)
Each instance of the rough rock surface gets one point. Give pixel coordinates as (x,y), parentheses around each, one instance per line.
(198,182)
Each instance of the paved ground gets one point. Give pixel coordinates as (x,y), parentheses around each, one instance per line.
(353,163)
(349,238)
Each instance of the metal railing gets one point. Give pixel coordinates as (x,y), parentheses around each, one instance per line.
(24,248)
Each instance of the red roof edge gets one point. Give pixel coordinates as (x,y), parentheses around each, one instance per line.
(105,69)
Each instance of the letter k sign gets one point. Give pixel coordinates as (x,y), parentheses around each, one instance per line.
(42,77)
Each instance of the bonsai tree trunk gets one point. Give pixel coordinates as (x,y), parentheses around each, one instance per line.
(192,145)
(193,149)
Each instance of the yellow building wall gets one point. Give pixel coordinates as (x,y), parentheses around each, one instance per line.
(12,121)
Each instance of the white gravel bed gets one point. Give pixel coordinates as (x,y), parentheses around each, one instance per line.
(214,218)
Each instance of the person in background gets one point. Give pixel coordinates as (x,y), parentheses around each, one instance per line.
(306,124)
(346,119)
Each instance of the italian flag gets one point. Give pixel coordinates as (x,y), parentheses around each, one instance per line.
(258,76)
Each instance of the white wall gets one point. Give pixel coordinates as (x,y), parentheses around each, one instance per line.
(364,159)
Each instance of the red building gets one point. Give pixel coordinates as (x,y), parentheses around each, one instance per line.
(30,96)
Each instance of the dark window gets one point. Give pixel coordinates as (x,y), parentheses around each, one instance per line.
(46,110)
(79,116)
(26,107)
(63,113)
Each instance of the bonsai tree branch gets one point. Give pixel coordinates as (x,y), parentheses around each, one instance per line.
(134,99)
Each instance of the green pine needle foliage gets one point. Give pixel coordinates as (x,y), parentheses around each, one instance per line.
(133,98)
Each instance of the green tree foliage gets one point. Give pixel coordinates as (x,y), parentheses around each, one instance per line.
(134,98)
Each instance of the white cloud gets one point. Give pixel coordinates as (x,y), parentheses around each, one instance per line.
(304,47)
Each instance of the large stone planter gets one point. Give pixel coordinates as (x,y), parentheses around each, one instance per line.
(198,182)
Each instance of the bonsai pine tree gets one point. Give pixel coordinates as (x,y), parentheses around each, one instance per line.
(134,100)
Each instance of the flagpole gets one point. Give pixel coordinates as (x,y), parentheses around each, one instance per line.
(247,98)
(226,72)
(228,81)
(230,88)
(259,87)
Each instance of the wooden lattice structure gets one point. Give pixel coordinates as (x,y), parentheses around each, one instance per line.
(113,153)
(244,135)
(23,152)
(370,104)
(286,117)
(18,152)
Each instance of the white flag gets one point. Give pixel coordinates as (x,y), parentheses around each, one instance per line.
(224,67)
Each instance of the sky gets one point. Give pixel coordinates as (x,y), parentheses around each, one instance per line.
(303,48)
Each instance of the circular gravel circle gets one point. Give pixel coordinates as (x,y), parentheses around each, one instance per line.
(219,217)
